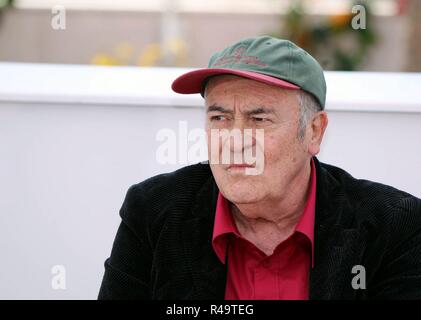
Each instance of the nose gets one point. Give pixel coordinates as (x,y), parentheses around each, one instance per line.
(241,137)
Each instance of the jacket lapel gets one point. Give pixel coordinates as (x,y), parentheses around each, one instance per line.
(208,273)
(334,240)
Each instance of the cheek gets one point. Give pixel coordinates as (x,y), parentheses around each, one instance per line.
(275,146)
(278,147)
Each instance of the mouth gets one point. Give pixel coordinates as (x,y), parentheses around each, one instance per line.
(240,166)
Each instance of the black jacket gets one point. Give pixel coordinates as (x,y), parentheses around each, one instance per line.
(163,249)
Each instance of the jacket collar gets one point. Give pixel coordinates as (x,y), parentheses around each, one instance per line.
(207,272)
(333,235)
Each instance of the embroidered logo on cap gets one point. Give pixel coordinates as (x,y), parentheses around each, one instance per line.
(238,57)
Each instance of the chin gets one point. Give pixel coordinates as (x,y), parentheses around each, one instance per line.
(241,193)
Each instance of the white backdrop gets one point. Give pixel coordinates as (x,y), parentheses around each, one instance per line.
(74,138)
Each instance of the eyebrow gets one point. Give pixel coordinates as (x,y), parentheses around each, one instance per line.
(216,108)
(257,110)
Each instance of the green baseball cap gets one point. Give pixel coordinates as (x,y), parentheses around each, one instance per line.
(266,59)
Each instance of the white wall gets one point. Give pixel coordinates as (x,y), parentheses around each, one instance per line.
(73,139)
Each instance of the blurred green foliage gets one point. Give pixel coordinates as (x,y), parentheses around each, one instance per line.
(5,3)
(331,39)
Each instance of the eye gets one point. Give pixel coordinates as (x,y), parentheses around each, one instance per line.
(260,119)
(218,118)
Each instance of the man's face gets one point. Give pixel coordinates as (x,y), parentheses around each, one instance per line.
(237,103)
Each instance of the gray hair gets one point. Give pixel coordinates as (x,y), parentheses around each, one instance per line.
(308,107)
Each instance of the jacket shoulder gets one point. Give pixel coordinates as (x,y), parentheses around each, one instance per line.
(365,188)
(170,185)
(149,199)
(371,199)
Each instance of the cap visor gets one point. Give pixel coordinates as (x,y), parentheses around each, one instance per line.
(192,82)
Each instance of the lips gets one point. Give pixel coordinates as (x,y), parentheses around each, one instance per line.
(240,165)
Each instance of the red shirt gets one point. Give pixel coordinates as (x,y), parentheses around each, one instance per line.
(283,275)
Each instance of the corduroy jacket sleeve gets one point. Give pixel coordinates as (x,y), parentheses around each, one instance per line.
(399,276)
(127,270)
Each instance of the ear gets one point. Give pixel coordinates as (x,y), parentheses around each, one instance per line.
(317,129)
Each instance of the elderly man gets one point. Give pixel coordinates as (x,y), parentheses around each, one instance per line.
(294,229)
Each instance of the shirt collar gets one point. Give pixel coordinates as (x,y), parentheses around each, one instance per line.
(306,223)
(224,223)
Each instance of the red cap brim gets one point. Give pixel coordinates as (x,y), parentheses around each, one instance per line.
(192,82)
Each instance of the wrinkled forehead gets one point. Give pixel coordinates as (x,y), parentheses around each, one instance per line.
(228,87)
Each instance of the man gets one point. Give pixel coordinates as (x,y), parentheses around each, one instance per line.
(294,229)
